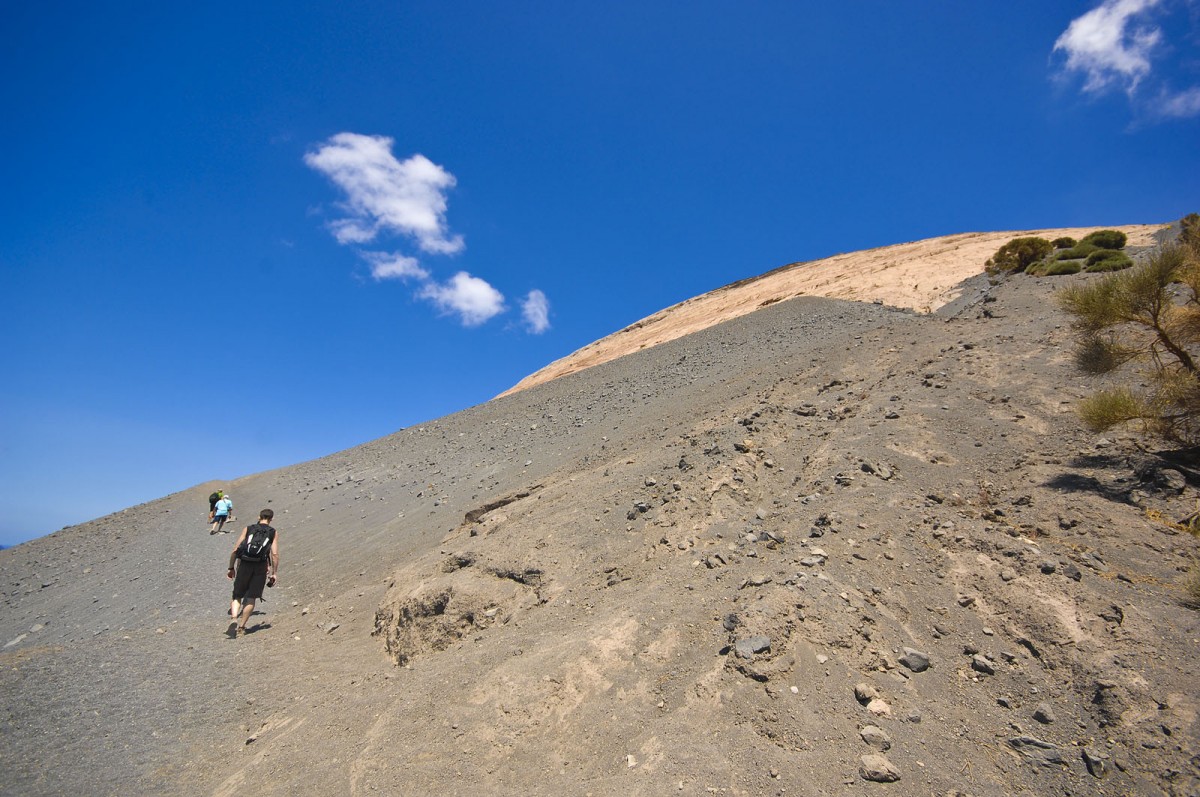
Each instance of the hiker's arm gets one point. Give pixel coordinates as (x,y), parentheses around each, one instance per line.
(236,545)
(275,554)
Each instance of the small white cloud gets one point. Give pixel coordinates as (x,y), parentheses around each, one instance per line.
(386,195)
(536,312)
(1109,47)
(1180,105)
(392,265)
(473,299)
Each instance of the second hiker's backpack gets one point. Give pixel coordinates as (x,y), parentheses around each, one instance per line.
(212,499)
(257,545)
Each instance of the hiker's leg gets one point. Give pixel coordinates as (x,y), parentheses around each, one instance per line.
(235,608)
(247,610)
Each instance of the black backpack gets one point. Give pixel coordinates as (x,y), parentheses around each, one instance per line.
(212,499)
(257,545)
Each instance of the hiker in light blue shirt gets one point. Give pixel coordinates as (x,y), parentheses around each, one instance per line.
(222,511)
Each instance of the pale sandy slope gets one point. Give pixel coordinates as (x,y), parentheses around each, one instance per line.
(923,276)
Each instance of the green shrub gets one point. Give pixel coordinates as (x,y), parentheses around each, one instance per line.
(1100,354)
(1106,409)
(1059,267)
(1063,243)
(1105,239)
(1107,260)
(1148,314)
(1191,591)
(1076,252)
(1018,254)
(1189,230)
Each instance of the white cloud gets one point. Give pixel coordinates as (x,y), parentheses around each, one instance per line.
(386,195)
(473,299)
(536,312)
(1180,105)
(392,265)
(1109,47)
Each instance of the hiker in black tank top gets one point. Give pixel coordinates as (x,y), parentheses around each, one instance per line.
(253,565)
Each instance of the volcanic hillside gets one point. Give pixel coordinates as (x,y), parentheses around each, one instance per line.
(823,547)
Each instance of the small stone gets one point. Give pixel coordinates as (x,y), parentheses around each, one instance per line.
(746,648)
(1038,751)
(879,708)
(1072,572)
(1048,566)
(981,663)
(878,769)
(864,693)
(1008,574)
(915,660)
(1094,760)
(876,737)
(1171,481)
(1044,714)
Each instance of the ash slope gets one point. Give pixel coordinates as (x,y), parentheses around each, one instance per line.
(714,566)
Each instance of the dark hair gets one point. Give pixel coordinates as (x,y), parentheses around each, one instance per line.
(266,514)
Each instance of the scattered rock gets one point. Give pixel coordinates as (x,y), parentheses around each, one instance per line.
(748,647)
(815,558)
(879,708)
(1095,760)
(915,660)
(1044,714)
(1170,480)
(1039,752)
(981,663)
(876,737)
(878,769)
(864,693)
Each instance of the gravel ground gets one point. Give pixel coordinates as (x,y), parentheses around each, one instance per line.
(817,548)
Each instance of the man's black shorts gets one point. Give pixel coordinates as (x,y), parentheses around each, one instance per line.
(249,581)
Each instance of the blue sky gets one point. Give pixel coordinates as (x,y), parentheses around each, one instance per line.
(237,236)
